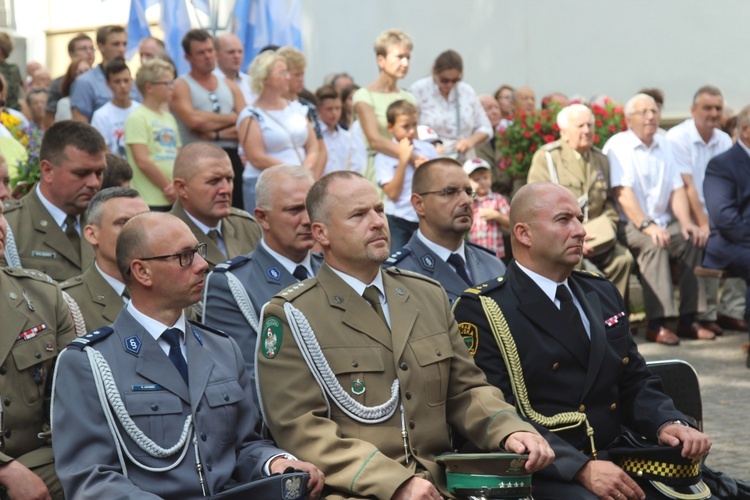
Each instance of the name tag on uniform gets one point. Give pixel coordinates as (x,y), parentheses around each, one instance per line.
(153,387)
(43,255)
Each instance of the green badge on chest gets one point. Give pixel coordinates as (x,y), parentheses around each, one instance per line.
(271,337)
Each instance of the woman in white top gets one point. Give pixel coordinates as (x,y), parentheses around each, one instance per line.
(273,130)
(76,68)
(451,107)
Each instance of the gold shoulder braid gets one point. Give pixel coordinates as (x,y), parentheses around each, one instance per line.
(506,344)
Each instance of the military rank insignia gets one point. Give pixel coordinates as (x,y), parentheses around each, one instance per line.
(470,333)
(271,336)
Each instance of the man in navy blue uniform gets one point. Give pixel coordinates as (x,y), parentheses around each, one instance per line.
(727,191)
(443,199)
(574,364)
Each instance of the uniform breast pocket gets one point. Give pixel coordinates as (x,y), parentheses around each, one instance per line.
(433,354)
(617,338)
(158,414)
(222,398)
(33,359)
(361,373)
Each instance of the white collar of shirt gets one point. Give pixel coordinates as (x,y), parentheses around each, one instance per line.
(635,142)
(156,328)
(204,228)
(330,132)
(695,136)
(442,252)
(287,263)
(218,72)
(360,286)
(744,148)
(451,95)
(118,285)
(549,288)
(57,214)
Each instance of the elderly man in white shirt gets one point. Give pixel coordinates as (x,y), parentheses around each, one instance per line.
(650,195)
(694,142)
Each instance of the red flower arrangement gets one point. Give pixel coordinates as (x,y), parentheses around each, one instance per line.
(530,131)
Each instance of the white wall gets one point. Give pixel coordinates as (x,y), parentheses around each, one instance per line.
(583,47)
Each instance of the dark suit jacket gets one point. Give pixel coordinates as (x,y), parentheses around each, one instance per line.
(417,257)
(219,398)
(240,231)
(727,191)
(614,387)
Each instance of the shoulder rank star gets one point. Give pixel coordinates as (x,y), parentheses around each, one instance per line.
(614,319)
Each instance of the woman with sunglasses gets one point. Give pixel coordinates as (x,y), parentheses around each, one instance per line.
(451,107)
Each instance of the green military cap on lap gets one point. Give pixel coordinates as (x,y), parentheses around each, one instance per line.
(487,475)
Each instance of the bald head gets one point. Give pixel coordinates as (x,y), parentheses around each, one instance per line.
(189,159)
(492,108)
(532,199)
(525,99)
(229,54)
(133,240)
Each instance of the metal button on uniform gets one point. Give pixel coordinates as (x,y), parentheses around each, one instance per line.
(155,407)
(625,360)
(7,401)
(210,466)
(555,367)
(203,436)
(582,408)
(355,364)
(407,394)
(438,353)
(403,366)
(3,370)
(225,396)
(613,406)
(37,355)
(8,433)
(411,424)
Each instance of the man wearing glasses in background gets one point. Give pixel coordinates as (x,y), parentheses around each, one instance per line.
(443,199)
(206,106)
(181,388)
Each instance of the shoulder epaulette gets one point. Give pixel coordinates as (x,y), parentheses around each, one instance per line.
(596,150)
(11,205)
(297,289)
(232,263)
(240,213)
(480,247)
(589,274)
(71,282)
(91,337)
(397,256)
(411,274)
(207,328)
(551,145)
(20,272)
(483,288)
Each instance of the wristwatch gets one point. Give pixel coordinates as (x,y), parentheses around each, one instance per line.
(645,224)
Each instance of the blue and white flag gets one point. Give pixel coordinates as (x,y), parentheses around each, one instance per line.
(295,25)
(175,22)
(138,27)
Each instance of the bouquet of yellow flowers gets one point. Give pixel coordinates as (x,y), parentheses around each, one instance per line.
(15,126)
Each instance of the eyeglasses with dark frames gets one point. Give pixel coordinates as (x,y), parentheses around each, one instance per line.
(215,105)
(185,257)
(452,192)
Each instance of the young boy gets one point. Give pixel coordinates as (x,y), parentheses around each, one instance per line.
(109,120)
(394,175)
(152,137)
(341,155)
(491,210)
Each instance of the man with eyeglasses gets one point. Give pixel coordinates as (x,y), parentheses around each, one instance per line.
(79,47)
(655,222)
(89,91)
(168,407)
(206,105)
(443,199)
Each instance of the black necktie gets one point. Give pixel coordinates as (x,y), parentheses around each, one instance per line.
(172,336)
(573,324)
(300,272)
(372,296)
(458,262)
(72,234)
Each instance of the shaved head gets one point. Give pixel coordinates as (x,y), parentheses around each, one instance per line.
(187,163)
(531,200)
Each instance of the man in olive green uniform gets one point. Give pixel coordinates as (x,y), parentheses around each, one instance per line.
(203,180)
(36,325)
(576,164)
(375,409)
(99,293)
(47,222)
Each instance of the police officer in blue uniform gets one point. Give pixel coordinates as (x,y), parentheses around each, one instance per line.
(236,290)
(443,199)
(175,393)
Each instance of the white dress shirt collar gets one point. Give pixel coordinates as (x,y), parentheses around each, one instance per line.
(287,263)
